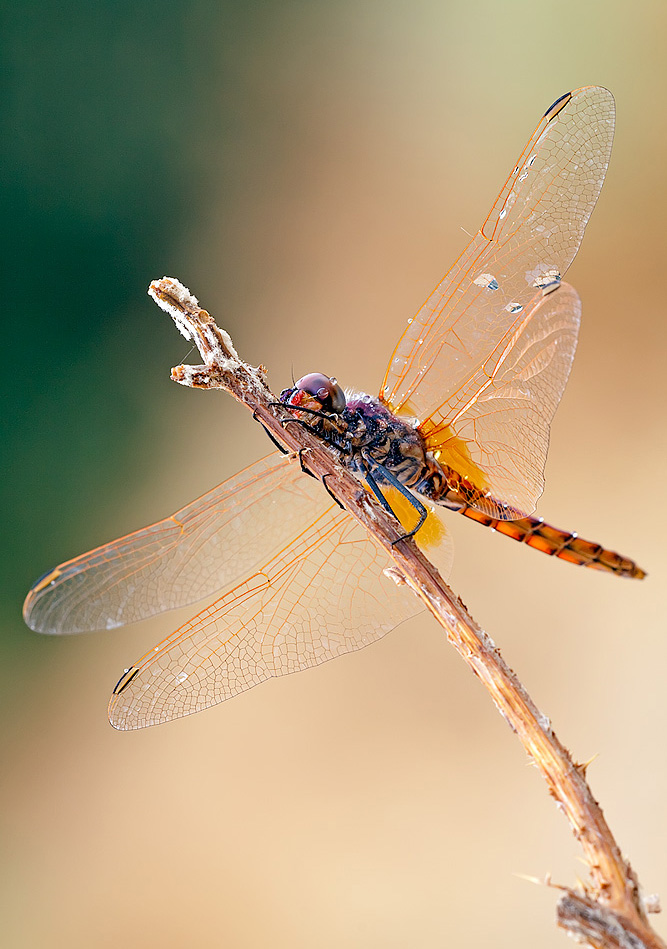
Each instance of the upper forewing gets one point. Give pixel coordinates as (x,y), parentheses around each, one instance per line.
(208,544)
(323,595)
(528,241)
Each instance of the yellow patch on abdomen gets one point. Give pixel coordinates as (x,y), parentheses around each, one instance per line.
(431,533)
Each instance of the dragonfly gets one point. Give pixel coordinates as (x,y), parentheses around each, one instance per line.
(461,422)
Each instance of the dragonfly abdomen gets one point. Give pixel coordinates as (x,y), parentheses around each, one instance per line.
(445,486)
(534,532)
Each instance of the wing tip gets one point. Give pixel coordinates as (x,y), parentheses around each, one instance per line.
(567,97)
(35,592)
(31,616)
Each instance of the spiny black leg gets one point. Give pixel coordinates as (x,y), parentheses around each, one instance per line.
(373,485)
(303,467)
(286,421)
(330,492)
(285,451)
(295,421)
(275,441)
(301,408)
(324,478)
(394,482)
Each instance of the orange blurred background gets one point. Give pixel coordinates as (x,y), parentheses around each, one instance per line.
(308,169)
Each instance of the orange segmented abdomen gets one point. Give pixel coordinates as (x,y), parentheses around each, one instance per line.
(557,543)
(444,485)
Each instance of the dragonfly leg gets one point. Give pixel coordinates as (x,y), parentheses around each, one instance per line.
(300,408)
(324,477)
(295,421)
(300,453)
(284,451)
(395,483)
(302,464)
(275,441)
(375,488)
(329,491)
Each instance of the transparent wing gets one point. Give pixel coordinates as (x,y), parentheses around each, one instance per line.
(323,595)
(208,544)
(527,242)
(501,436)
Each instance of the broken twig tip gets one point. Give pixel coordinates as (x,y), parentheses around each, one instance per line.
(168,291)
(196,325)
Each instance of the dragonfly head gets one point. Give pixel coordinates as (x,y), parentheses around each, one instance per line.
(316,392)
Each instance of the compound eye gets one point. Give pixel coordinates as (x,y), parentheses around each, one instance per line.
(327,391)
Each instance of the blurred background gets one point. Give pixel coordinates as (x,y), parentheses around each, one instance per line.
(307,169)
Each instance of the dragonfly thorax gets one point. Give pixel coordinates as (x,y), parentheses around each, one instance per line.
(368,436)
(363,431)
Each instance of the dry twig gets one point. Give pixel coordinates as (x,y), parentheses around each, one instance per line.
(610,911)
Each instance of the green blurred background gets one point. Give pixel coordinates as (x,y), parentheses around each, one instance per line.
(307,169)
